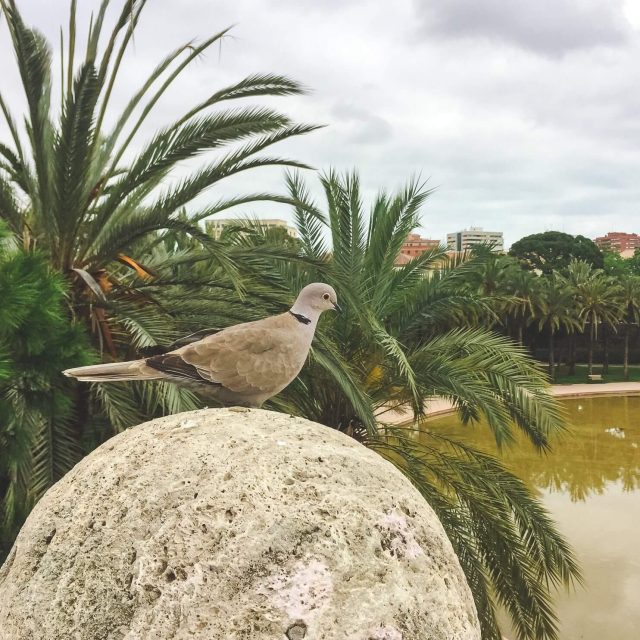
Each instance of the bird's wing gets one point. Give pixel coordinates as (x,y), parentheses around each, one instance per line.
(254,357)
(159,349)
(193,337)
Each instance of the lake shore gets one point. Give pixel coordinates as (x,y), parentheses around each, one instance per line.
(441,406)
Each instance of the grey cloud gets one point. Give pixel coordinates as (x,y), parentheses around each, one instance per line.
(513,141)
(363,126)
(550,27)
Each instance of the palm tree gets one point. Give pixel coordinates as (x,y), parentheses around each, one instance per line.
(524,288)
(404,338)
(597,297)
(630,304)
(554,312)
(95,199)
(577,273)
(491,277)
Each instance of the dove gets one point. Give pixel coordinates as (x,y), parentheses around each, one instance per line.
(242,365)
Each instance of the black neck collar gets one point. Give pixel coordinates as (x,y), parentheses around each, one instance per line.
(300,318)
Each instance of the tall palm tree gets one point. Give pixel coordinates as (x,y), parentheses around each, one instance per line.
(597,297)
(524,288)
(95,199)
(90,194)
(491,277)
(630,305)
(576,274)
(404,338)
(554,312)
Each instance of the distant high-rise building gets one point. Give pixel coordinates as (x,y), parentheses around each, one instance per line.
(467,238)
(215,226)
(619,242)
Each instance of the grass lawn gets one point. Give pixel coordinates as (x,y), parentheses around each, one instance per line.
(615,374)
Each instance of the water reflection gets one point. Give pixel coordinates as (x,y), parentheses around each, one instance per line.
(603,530)
(590,485)
(583,462)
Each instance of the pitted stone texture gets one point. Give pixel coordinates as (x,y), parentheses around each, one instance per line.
(233,525)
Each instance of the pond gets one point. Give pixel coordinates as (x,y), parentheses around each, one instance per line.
(590,484)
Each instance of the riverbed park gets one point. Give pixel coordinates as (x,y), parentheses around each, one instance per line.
(319,320)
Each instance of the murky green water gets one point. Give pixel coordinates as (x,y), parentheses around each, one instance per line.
(590,483)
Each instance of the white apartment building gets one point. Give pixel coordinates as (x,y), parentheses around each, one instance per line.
(465,239)
(214,226)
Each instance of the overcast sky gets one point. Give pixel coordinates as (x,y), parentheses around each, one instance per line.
(524,115)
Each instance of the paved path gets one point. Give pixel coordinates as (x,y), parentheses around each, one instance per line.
(439,406)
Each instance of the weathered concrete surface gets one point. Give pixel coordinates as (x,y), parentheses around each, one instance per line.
(233,525)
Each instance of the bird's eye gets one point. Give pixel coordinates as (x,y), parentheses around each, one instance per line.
(326,296)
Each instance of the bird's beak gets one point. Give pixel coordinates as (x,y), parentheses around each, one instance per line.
(336,307)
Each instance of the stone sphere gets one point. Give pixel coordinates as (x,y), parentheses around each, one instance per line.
(234,524)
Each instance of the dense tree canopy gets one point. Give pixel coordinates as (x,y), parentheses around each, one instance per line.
(634,263)
(38,444)
(553,251)
(615,265)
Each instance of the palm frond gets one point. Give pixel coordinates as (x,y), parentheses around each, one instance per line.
(55,449)
(33,56)
(118,401)
(12,129)
(194,52)
(9,209)
(310,221)
(485,374)
(72,159)
(263,84)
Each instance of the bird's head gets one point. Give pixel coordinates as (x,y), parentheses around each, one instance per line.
(317,296)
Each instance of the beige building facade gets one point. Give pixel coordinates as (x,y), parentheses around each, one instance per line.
(467,238)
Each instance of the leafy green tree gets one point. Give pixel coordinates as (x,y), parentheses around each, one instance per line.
(38,442)
(634,263)
(77,182)
(615,265)
(404,338)
(553,251)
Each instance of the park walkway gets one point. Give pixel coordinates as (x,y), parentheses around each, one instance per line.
(440,406)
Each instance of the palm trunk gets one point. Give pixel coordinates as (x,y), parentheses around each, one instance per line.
(572,354)
(591,338)
(551,357)
(605,362)
(520,332)
(626,352)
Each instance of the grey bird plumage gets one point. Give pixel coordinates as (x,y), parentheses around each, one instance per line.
(243,365)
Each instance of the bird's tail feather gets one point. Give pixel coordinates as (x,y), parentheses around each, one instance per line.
(114,372)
